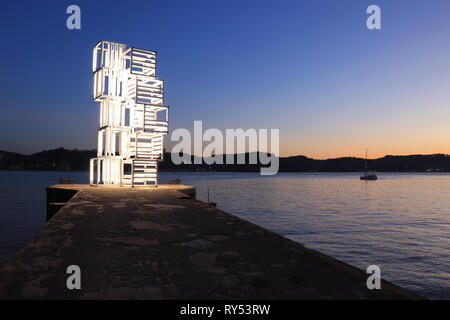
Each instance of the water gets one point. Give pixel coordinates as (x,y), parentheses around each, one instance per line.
(400,222)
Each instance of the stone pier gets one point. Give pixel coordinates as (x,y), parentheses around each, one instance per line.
(161,243)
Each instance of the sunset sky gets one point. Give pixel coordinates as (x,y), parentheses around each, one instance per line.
(310,68)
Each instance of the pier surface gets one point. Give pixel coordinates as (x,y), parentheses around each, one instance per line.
(160,243)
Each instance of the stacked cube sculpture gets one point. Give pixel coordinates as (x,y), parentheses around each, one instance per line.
(133,117)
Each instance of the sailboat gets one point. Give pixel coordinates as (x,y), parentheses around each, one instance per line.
(368,175)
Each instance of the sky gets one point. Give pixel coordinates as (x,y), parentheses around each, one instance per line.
(309,68)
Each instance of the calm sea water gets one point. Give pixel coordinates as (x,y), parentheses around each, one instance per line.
(400,222)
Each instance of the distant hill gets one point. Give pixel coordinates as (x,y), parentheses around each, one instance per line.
(63,159)
(389,163)
(56,159)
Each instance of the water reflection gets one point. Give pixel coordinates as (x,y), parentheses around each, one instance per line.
(400,222)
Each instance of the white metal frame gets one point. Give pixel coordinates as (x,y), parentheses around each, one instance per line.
(131,129)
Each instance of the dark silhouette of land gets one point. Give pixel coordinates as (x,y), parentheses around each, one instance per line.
(78,160)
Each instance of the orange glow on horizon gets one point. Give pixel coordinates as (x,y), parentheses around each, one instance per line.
(316,152)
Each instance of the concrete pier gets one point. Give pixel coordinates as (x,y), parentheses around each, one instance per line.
(161,243)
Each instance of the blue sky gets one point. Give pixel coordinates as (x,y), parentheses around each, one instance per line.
(310,68)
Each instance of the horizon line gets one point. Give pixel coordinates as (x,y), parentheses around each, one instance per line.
(225,154)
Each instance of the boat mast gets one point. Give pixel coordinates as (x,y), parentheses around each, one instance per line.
(366,160)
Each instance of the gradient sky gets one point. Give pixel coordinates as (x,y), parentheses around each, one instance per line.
(310,68)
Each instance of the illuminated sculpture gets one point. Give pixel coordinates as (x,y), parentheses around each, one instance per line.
(133,118)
